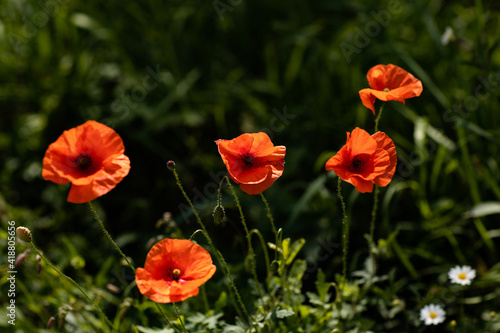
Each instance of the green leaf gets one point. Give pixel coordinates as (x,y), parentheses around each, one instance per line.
(483,209)
(283,313)
(321,286)
(294,250)
(221,302)
(143,329)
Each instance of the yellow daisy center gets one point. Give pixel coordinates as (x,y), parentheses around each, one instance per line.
(462,276)
(433,315)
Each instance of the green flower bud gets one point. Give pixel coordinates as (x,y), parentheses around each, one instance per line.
(218,214)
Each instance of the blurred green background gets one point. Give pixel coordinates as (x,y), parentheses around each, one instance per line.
(171,77)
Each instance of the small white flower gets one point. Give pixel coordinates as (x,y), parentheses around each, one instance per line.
(432,314)
(447,36)
(462,275)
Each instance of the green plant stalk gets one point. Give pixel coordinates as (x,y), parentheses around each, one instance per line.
(219,256)
(204,297)
(372,227)
(176,310)
(375,201)
(264,249)
(271,220)
(379,115)
(108,236)
(251,253)
(117,248)
(345,231)
(76,285)
(473,186)
(227,274)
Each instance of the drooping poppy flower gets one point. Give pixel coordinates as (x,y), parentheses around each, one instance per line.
(90,156)
(174,270)
(389,83)
(252,161)
(365,160)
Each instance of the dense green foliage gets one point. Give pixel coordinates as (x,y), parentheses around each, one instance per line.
(173,76)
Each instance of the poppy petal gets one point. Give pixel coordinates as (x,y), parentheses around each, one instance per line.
(156,279)
(389,83)
(386,144)
(252,161)
(90,156)
(365,160)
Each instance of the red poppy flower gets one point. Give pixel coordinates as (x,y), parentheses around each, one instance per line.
(365,160)
(252,161)
(389,83)
(174,270)
(90,156)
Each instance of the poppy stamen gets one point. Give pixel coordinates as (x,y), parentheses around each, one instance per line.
(387,89)
(83,161)
(357,163)
(248,159)
(174,274)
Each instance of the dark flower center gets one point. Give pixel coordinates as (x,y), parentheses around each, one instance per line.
(358,163)
(83,161)
(248,159)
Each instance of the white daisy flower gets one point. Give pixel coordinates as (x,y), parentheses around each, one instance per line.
(432,314)
(462,275)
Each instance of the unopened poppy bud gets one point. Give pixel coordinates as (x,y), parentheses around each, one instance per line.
(62,317)
(51,322)
(218,214)
(20,258)
(24,234)
(171,165)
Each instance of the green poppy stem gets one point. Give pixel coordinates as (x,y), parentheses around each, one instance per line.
(379,115)
(108,236)
(371,242)
(264,249)
(117,248)
(220,258)
(270,216)
(345,231)
(165,316)
(251,253)
(76,285)
(176,310)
